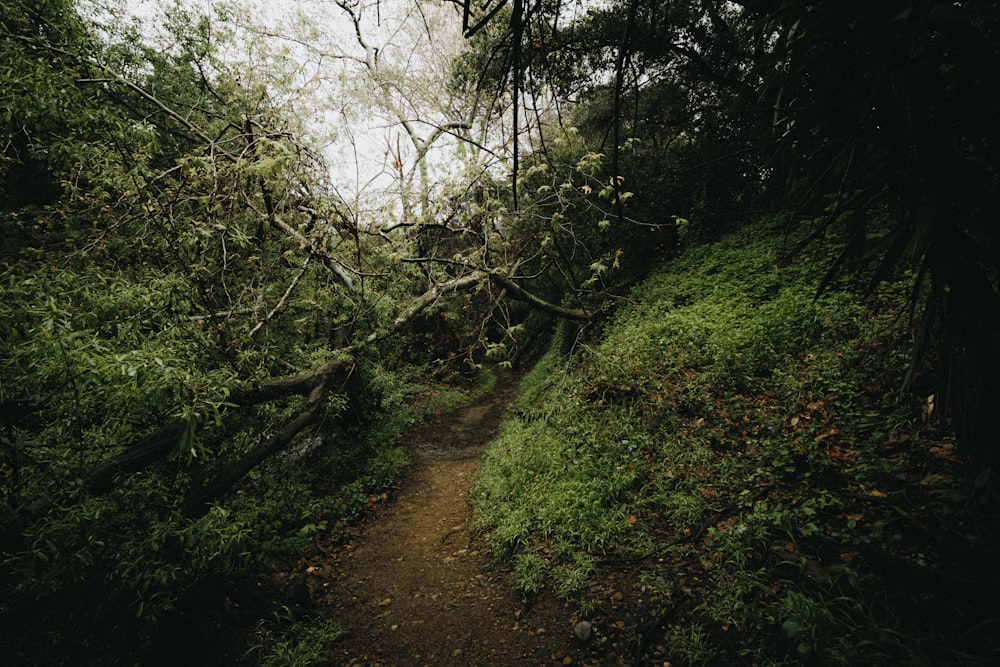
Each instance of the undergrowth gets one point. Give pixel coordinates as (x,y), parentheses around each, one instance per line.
(297,643)
(733,466)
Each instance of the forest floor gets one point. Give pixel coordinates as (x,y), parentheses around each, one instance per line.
(415,585)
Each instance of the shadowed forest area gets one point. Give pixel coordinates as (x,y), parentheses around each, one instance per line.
(270,275)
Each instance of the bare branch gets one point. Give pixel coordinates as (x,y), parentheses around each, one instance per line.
(428,298)
(284,297)
(522,294)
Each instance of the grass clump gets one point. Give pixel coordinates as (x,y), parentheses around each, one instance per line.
(732,469)
(292,643)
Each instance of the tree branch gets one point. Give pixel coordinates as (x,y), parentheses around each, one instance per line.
(524,295)
(334,265)
(284,297)
(480,274)
(428,298)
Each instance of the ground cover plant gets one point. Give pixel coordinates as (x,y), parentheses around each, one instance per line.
(729,474)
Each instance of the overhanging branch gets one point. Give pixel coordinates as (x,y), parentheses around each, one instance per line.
(524,295)
(473,279)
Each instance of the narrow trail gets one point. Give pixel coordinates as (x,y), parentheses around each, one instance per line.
(416,586)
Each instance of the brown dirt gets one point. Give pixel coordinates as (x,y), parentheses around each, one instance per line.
(416,586)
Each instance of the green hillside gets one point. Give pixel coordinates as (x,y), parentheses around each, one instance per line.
(729,474)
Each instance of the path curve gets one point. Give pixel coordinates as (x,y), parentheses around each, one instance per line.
(416,586)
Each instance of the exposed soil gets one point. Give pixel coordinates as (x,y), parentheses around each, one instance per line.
(415,586)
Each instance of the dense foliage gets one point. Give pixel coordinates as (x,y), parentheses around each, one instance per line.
(184,298)
(206,341)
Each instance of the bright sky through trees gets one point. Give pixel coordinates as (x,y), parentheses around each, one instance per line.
(348,76)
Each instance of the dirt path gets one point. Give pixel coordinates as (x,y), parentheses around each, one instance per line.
(417,587)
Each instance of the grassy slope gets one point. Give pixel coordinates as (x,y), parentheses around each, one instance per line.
(727,476)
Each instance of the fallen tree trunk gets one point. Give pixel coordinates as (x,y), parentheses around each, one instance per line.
(228,474)
(158,444)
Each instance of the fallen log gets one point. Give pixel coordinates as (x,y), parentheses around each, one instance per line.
(158,444)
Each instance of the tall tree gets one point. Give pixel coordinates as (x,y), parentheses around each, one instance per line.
(883,137)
